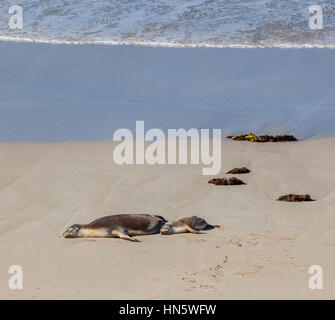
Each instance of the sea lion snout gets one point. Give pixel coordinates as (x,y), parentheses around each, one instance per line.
(72,232)
(166,229)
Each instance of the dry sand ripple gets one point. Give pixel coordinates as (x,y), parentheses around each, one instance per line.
(263,249)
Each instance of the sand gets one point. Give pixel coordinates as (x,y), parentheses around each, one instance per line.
(263,250)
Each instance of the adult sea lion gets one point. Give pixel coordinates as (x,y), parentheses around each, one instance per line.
(122,226)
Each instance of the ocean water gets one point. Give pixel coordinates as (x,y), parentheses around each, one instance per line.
(216,23)
(69,92)
(86,92)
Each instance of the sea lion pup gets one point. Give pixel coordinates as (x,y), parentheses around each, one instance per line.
(189,224)
(122,226)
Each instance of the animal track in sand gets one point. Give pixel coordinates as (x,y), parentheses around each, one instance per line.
(201,286)
(255,269)
(257,238)
(213,274)
(234,242)
(217,271)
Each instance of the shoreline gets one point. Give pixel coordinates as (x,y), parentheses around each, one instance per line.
(168,45)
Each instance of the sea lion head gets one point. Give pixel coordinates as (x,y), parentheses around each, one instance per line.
(166,229)
(72,232)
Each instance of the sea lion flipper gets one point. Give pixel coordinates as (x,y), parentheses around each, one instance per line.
(189,229)
(211,226)
(160,217)
(123,234)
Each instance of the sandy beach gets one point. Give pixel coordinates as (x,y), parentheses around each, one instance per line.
(263,249)
(80,78)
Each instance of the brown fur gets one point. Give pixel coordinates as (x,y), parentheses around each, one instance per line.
(189,224)
(194,222)
(142,223)
(122,225)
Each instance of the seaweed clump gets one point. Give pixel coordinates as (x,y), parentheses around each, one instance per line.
(226,182)
(262,138)
(243,170)
(295,198)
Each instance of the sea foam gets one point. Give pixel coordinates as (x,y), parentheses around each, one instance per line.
(172,23)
